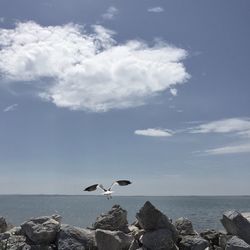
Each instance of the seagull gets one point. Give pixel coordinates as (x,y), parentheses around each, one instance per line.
(107,192)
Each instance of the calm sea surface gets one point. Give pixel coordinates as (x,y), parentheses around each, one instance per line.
(203,211)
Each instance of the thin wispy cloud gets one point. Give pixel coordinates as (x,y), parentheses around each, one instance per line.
(238,126)
(154,132)
(89,71)
(236,149)
(10,108)
(2,19)
(156,9)
(110,13)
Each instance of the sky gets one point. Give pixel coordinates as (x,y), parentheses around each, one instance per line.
(154,91)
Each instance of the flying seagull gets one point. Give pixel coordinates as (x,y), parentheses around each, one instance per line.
(107,192)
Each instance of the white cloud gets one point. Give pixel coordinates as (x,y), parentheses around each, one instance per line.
(240,126)
(154,132)
(156,9)
(241,148)
(173,92)
(110,13)
(10,108)
(88,71)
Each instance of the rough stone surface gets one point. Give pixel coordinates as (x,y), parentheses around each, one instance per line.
(223,238)
(236,224)
(151,218)
(3,225)
(75,238)
(236,243)
(114,220)
(246,215)
(15,243)
(184,226)
(160,239)
(112,240)
(211,236)
(193,243)
(42,230)
(134,245)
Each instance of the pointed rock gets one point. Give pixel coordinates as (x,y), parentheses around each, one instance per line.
(236,224)
(114,220)
(150,218)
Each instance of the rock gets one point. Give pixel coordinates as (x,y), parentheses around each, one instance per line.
(211,236)
(42,230)
(246,215)
(15,243)
(193,243)
(134,245)
(184,226)
(236,224)
(236,243)
(77,238)
(42,247)
(160,239)
(112,240)
(150,218)
(3,225)
(223,238)
(114,220)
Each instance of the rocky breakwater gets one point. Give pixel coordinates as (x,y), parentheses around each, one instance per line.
(152,230)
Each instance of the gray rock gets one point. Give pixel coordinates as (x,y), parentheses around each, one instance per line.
(246,215)
(112,240)
(184,226)
(193,243)
(160,239)
(3,225)
(150,218)
(42,230)
(211,236)
(236,243)
(223,238)
(134,245)
(114,220)
(75,238)
(15,243)
(236,224)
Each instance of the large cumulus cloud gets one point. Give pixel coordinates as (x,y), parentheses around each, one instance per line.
(88,71)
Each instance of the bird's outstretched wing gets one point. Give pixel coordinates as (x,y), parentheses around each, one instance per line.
(91,188)
(120,183)
(94,187)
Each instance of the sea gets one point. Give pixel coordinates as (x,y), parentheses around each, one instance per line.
(80,210)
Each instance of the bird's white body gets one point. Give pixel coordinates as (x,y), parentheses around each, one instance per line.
(108,194)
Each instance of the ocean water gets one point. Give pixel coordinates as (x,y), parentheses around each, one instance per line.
(80,210)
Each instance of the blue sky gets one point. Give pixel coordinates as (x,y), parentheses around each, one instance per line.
(152,91)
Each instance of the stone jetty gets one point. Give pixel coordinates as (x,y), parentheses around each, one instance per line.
(151,230)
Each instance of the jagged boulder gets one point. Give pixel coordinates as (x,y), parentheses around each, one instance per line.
(150,218)
(114,220)
(236,243)
(112,240)
(14,242)
(193,243)
(211,236)
(42,230)
(71,237)
(236,224)
(184,226)
(135,245)
(160,239)
(3,225)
